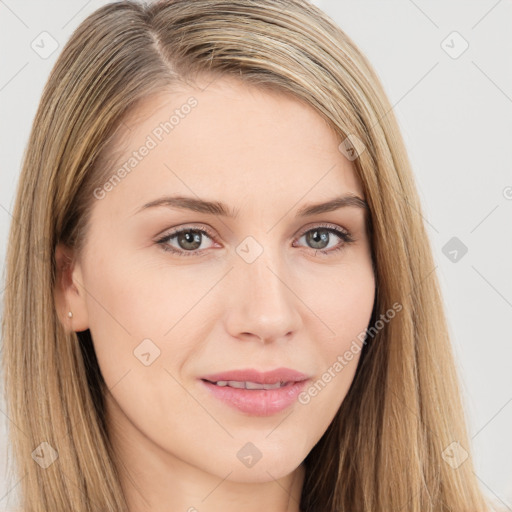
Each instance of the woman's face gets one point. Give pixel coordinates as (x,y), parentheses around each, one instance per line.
(242,292)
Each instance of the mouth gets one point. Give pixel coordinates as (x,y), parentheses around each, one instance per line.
(248,384)
(251,378)
(262,395)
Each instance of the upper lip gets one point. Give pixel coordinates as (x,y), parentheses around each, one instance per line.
(252,375)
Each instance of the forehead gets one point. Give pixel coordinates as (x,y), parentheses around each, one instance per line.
(234,142)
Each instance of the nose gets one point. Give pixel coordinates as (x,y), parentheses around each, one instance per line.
(262,304)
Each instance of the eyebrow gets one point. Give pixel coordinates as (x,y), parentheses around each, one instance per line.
(218,208)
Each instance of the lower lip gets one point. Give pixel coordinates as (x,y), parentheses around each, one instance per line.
(258,402)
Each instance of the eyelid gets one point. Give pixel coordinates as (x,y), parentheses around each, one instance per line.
(202,227)
(314,225)
(191,227)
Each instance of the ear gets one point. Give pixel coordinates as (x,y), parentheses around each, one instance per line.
(69,292)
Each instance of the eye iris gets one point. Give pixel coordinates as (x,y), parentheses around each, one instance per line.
(189,237)
(318,236)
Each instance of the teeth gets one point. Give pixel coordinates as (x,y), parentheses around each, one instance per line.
(249,385)
(255,385)
(236,384)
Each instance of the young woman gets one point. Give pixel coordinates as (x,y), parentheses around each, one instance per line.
(220,292)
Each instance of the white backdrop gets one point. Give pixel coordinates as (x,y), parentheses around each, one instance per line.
(447,68)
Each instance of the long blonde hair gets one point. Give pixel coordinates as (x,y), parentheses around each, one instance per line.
(384,449)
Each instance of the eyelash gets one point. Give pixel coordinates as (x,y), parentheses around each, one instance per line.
(343,234)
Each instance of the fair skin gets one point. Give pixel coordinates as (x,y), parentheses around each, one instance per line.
(265,155)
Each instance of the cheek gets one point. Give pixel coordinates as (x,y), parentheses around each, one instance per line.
(144,313)
(343,300)
(344,307)
(134,320)
(351,316)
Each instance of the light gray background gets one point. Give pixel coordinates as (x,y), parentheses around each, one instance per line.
(456,117)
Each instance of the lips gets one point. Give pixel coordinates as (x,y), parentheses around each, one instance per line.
(238,389)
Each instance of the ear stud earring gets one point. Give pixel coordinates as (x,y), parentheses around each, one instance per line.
(70,314)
